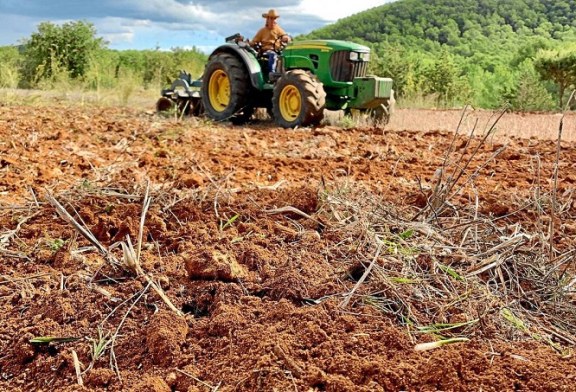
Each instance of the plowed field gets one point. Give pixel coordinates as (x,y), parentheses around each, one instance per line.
(148,253)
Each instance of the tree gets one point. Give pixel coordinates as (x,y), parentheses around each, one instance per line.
(442,77)
(558,65)
(67,47)
(9,65)
(529,93)
(395,62)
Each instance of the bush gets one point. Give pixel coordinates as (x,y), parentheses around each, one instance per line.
(55,49)
(9,67)
(530,93)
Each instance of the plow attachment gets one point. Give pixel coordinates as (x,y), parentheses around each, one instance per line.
(183,95)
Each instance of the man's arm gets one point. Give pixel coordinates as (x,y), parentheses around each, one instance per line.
(281,33)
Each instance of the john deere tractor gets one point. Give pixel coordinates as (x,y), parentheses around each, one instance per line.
(312,76)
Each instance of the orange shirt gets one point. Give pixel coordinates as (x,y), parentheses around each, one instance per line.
(268,36)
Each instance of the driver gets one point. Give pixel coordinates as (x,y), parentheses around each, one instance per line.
(268,35)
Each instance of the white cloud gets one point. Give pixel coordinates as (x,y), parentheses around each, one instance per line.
(145,24)
(337,9)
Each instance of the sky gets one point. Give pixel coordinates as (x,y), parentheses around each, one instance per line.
(166,24)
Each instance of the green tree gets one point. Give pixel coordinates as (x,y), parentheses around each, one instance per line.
(529,93)
(489,37)
(54,48)
(442,77)
(558,65)
(395,62)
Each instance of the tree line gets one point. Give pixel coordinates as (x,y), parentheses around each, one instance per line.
(73,52)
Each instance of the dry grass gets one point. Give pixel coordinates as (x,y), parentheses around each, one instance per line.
(457,275)
(128,96)
(449,271)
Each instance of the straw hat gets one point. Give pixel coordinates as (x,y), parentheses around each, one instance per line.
(271,14)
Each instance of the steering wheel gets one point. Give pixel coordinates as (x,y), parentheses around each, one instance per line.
(279,44)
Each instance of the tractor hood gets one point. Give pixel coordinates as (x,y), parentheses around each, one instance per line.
(326,45)
(336,63)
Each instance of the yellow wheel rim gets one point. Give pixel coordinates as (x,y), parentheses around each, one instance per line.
(219,90)
(290,103)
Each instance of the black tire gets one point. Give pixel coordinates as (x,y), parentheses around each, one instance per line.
(382,113)
(298,100)
(226,89)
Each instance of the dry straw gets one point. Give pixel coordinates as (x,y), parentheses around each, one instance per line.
(448,270)
(130,260)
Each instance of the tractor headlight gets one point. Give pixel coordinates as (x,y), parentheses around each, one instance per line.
(365,56)
(354,56)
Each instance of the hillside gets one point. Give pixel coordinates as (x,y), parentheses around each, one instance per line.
(485,47)
(461,24)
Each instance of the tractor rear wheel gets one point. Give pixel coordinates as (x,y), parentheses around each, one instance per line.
(298,99)
(226,89)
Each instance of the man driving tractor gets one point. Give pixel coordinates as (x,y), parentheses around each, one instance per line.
(268,36)
(311,76)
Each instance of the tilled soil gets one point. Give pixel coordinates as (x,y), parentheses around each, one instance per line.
(289,260)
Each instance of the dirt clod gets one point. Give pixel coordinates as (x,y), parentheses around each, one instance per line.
(164,336)
(214,265)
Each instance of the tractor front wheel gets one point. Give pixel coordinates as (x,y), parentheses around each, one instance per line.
(380,115)
(226,89)
(298,100)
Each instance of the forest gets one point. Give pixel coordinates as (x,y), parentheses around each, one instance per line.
(440,53)
(484,52)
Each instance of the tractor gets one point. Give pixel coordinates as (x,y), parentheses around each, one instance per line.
(311,76)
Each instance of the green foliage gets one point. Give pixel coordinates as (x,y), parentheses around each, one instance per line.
(101,73)
(558,65)
(529,93)
(55,50)
(397,62)
(450,52)
(229,222)
(56,244)
(127,85)
(154,67)
(442,78)
(9,67)
(71,53)
(71,57)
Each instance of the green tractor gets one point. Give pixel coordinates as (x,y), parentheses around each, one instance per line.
(311,76)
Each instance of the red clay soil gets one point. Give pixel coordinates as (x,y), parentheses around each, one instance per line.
(239,237)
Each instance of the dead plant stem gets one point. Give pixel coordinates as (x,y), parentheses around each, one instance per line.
(552,228)
(113,360)
(363,277)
